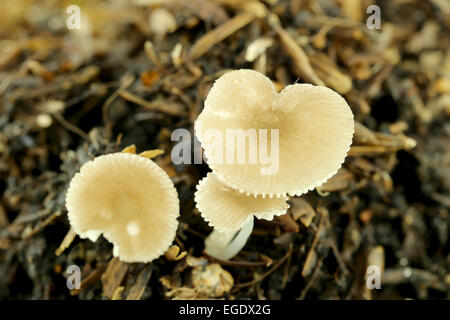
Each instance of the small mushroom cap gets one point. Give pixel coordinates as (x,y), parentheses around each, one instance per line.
(229,210)
(129,199)
(315,127)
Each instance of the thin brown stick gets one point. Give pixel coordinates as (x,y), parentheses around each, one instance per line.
(311,280)
(275,267)
(215,36)
(243,264)
(66,124)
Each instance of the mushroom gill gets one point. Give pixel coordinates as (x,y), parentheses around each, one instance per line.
(228,210)
(130,200)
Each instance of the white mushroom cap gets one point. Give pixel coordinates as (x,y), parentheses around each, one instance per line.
(130,200)
(315,126)
(228,210)
(161,21)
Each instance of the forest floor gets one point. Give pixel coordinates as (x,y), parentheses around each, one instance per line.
(133,73)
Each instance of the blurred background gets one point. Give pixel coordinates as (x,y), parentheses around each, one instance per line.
(83,78)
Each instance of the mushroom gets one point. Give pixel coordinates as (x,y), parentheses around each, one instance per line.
(161,22)
(228,210)
(231,213)
(130,200)
(225,245)
(314,126)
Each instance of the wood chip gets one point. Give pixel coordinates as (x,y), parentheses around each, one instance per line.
(327,70)
(117,295)
(89,280)
(312,257)
(340,181)
(298,56)
(170,108)
(130,149)
(207,10)
(4,221)
(28,233)
(68,239)
(150,154)
(287,223)
(173,253)
(137,290)
(301,210)
(215,36)
(113,276)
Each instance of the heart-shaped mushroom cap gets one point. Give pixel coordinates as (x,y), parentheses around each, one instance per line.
(315,129)
(130,200)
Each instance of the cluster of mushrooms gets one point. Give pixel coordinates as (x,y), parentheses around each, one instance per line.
(134,204)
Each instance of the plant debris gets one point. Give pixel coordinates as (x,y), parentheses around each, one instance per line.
(68,96)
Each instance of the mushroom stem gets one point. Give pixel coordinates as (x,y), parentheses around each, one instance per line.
(225,245)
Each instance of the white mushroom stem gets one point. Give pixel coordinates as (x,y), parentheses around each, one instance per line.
(225,245)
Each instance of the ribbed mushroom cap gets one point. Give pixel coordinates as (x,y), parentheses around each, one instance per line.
(229,210)
(315,127)
(129,199)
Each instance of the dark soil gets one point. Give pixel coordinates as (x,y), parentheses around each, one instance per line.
(68,96)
